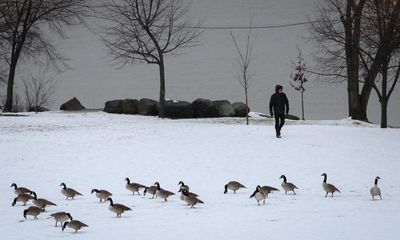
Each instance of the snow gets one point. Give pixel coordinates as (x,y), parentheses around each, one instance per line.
(98,150)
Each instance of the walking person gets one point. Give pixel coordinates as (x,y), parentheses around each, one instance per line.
(278,106)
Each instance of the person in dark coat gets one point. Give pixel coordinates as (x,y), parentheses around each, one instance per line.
(278,107)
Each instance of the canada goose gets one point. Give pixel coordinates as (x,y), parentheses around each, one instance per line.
(117,208)
(23,197)
(133,187)
(190,194)
(287,186)
(151,190)
(41,203)
(259,195)
(60,217)
(183,186)
(19,190)
(266,189)
(69,192)
(233,185)
(161,193)
(74,224)
(190,200)
(375,190)
(32,211)
(102,194)
(328,188)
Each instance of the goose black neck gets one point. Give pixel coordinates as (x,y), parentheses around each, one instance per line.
(63,185)
(14,185)
(284,178)
(376,181)
(158,186)
(111,202)
(34,195)
(325,178)
(128,181)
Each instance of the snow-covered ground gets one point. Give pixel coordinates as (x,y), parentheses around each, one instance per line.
(98,150)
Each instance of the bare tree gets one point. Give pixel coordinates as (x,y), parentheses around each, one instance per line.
(299,78)
(24,23)
(339,34)
(376,19)
(38,90)
(146,31)
(244,60)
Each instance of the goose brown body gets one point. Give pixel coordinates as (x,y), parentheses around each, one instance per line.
(190,200)
(288,186)
(133,187)
(32,211)
(69,192)
(328,188)
(74,224)
(233,186)
(102,194)
(41,202)
(151,190)
(23,197)
(61,217)
(117,208)
(20,190)
(375,190)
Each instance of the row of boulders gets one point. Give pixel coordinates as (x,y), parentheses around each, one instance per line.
(200,108)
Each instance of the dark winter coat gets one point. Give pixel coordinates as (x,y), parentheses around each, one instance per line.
(279,103)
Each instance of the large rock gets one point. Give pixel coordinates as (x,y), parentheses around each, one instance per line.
(148,107)
(291,117)
(130,106)
(224,108)
(38,109)
(203,108)
(72,105)
(178,109)
(114,106)
(241,109)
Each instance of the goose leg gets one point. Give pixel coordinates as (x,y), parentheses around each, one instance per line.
(286,192)
(264,201)
(326,194)
(380,196)
(294,192)
(332,194)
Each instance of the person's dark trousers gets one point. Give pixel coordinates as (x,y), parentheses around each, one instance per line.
(279,122)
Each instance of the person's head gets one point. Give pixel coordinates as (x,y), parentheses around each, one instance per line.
(278,89)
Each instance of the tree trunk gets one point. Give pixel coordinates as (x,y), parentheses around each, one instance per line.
(161,112)
(384,104)
(247,104)
(10,86)
(302,106)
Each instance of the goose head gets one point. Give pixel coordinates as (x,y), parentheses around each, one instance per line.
(14,202)
(34,195)
(226,189)
(70,217)
(14,185)
(94,191)
(63,185)
(284,178)
(127,180)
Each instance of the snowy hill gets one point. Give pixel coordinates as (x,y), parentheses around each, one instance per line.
(98,150)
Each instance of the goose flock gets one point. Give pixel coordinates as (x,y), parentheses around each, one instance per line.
(24,195)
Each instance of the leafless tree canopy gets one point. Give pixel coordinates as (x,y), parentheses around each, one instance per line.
(143,30)
(38,89)
(355,40)
(24,24)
